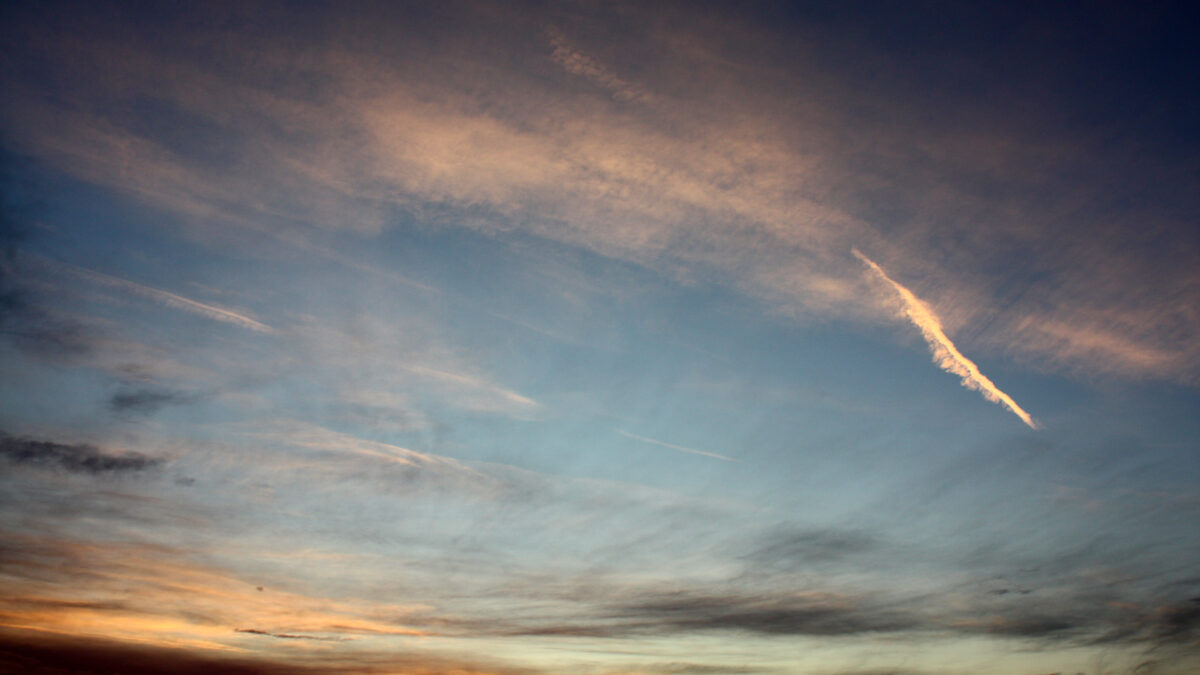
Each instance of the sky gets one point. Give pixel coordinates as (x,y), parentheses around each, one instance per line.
(599,338)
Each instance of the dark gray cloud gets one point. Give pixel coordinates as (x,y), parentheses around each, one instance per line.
(146,401)
(285,636)
(78,458)
(762,614)
(1036,624)
(1179,622)
(1077,618)
(881,671)
(699,669)
(791,548)
(1093,618)
(38,654)
(1168,624)
(54,604)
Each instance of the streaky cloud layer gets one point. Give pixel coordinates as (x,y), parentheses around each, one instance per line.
(945,354)
(369,338)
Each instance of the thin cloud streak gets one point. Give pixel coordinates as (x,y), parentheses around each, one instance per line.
(503,398)
(578,63)
(945,354)
(680,448)
(167,298)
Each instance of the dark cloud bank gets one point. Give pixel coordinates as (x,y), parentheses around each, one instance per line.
(30,653)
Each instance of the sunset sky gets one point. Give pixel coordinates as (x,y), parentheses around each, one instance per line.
(589,338)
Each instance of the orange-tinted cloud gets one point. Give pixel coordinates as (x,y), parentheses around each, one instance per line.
(945,354)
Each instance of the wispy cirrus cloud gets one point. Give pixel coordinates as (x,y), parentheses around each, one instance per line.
(672,446)
(305,435)
(578,63)
(475,393)
(763,191)
(172,300)
(945,354)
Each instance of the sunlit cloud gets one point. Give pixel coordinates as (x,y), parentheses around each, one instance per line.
(481,394)
(742,190)
(178,600)
(311,436)
(945,354)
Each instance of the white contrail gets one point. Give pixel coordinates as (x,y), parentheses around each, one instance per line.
(167,298)
(680,448)
(945,354)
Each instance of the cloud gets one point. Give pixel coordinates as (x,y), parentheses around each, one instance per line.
(578,63)
(1074,619)
(43,653)
(166,298)
(475,393)
(35,328)
(397,372)
(800,548)
(183,594)
(79,458)
(648,612)
(146,401)
(302,434)
(23,319)
(734,170)
(1084,339)
(945,354)
(619,186)
(380,410)
(815,614)
(1178,622)
(284,636)
(680,448)
(882,671)
(1081,620)
(38,653)
(678,668)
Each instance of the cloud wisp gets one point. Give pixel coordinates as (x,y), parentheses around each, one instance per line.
(945,354)
(672,446)
(167,298)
